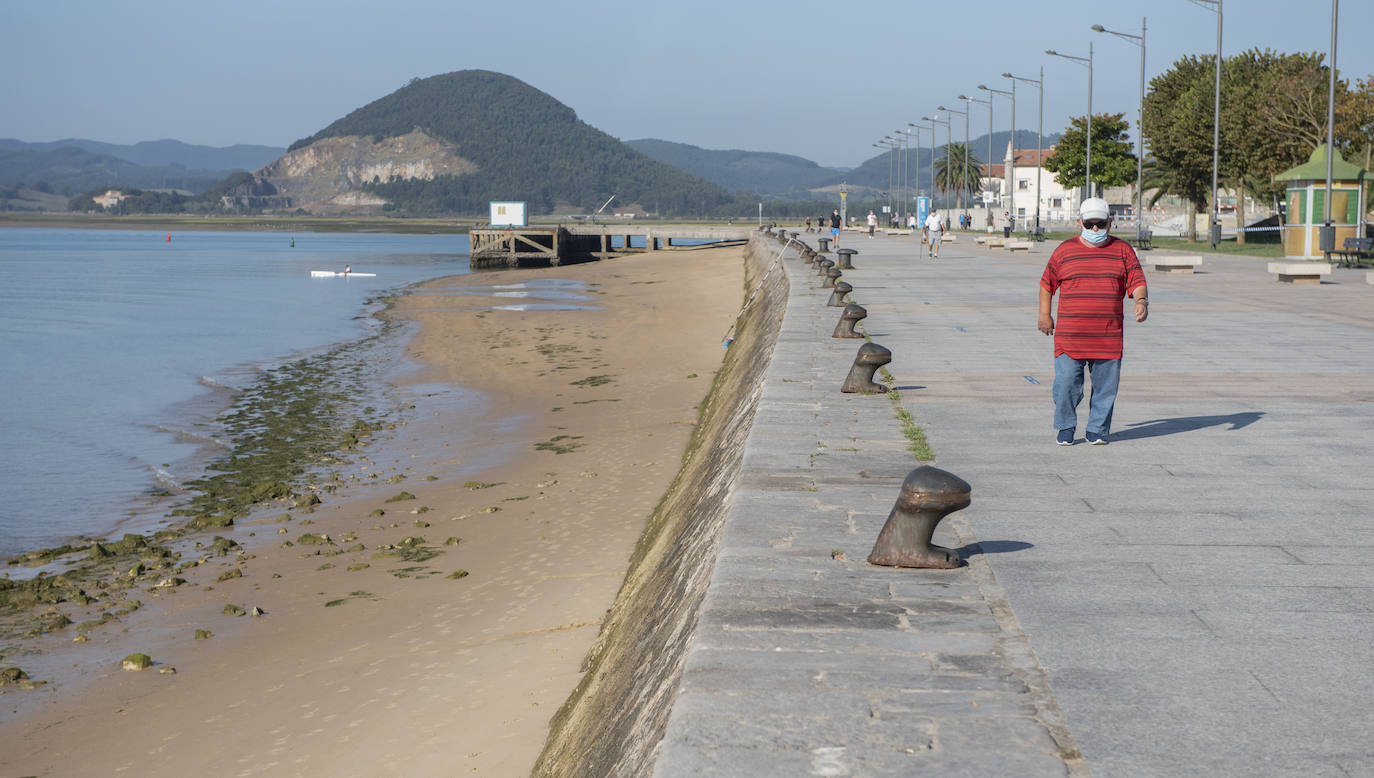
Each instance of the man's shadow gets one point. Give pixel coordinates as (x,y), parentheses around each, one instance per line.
(1156,427)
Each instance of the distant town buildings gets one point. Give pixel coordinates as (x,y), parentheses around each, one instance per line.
(110,199)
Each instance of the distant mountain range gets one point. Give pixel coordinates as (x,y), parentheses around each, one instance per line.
(161,153)
(449,144)
(762,173)
(76,165)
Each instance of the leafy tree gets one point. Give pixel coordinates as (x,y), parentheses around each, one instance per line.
(1113,160)
(1178,132)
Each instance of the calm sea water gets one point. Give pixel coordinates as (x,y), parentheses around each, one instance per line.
(116,348)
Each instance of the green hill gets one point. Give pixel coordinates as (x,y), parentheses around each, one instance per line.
(525,145)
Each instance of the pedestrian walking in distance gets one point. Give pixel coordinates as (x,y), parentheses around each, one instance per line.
(1092,272)
(935,232)
(835,228)
(872,223)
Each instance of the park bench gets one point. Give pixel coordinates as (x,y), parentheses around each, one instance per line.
(1018,245)
(1142,241)
(1178,263)
(1300,272)
(1355,249)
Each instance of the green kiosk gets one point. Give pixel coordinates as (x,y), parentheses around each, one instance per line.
(1306,198)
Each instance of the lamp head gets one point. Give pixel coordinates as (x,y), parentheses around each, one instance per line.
(1052,52)
(963,97)
(1008,75)
(942,108)
(983,87)
(1098,28)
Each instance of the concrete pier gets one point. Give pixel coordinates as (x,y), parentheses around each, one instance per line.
(1191,599)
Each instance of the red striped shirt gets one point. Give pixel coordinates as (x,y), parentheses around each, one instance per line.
(1091,282)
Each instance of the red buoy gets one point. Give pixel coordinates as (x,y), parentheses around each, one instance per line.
(169,237)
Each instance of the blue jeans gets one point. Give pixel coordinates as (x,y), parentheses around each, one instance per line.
(1068,392)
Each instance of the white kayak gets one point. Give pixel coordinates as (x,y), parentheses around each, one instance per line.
(331,274)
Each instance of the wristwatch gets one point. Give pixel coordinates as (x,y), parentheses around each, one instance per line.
(1145,300)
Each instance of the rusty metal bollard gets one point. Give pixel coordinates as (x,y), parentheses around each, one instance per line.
(806,252)
(850,316)
(928,495)
(841,288)
(871,356)
(823,266)
(831,276)
(825,245)
(845,256)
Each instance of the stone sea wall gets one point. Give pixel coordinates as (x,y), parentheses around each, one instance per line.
(613,723)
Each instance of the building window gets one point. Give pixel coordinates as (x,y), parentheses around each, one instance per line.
(1020,213)
(1057,202)
(1023,184)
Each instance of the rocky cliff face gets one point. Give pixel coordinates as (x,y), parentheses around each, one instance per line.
(326,175)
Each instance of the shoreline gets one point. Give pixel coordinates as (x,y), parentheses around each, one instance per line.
(476,663)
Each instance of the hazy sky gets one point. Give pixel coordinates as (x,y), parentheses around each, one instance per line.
(821,80)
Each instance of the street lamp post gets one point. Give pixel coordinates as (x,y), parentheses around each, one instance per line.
(906,181)
(1039,134)
(1088,62)
(1138,40)
(1214,220)
(963,165)
(919,147)
(889,144)
(988,161)
(948,139)
(1011,169)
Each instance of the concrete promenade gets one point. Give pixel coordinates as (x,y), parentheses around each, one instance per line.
(1195,598)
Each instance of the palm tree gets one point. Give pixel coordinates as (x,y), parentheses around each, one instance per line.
(958,171)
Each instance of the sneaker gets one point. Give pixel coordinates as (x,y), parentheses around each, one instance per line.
(1095,439)
(1066,437)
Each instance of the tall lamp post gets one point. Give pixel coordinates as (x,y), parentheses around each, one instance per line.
(906,181)
(1214,218)
(963,164)
(1088,62)
(1011,171)
(917,128)
(1039,134)
(945,121)
(988,161)
(1138,40)
(887,143)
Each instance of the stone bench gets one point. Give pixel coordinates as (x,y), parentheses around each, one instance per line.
(1018,245)
(898,232)
(1183,263)
(1300,272)
(980,240)
(995,243)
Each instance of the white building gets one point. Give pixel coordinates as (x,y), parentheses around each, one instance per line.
(1020,195)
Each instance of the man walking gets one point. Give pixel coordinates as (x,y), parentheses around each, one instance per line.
(872,224)
(935,232)
(835,228)
(1092,273)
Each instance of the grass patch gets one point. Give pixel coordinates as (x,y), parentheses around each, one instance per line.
(916,437)
(559,444)
(593,380)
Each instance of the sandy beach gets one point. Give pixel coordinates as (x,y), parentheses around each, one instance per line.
(438,637)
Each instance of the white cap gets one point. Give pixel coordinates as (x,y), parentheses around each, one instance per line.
(1094,208)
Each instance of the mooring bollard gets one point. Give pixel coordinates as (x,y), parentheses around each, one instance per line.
(823,266)
(850,316)
(842,288)
(871,356)
(831,276)
(928,495)
(845,256)
(825,244)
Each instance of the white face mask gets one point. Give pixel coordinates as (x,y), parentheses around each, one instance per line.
(1095,237)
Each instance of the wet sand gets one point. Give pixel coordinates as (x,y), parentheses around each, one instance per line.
(400,668)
